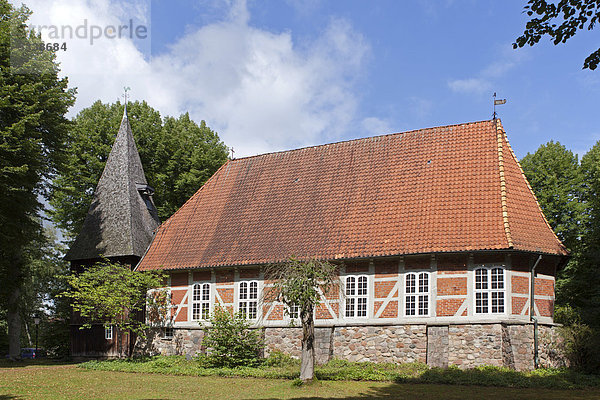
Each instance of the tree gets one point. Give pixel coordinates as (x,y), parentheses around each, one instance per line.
(177,154)
(112,294)
(569,194)
(584,287)
(42,283)
(557,180)
(33,129)
(560,22)
(300,285)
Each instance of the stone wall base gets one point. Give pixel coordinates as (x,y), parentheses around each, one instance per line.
(466,345)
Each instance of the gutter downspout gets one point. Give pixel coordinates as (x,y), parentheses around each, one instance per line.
(536,359)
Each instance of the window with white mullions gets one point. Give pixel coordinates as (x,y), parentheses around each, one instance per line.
(248,299)
(356,296)
(168,332)
(490,290)
(294,311)
(108,332)
(201,301)
(416,290)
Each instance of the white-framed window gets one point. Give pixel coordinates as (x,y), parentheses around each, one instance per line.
(356,295)
(201,301)
(108,332)
(293,312)
(416,294)
(248,299)
(490,290)
(168,332)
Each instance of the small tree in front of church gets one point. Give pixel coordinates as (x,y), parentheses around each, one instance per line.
(112,294)
(300,286)
(229,340)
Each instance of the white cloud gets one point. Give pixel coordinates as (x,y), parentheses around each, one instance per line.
(305,7)
(484,80)
(261,91)
(419,107)
(376,126)
(471,85)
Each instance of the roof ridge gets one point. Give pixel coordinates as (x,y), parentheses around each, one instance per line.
(124,126)
(362,138)
(499,136)
(531,190)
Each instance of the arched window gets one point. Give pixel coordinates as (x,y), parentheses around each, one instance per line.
(201,301)
(356,296)
(489,290)
(416,291)
(248,299)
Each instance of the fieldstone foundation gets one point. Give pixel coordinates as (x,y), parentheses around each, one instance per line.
(475,344)
(437,346)
(286,340)
(402,343)
(465,345)
(185,342)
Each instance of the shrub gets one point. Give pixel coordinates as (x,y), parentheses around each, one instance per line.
(581,347)
(279,359)
(566,315)
(230,342)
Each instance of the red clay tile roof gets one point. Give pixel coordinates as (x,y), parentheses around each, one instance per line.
(446,189)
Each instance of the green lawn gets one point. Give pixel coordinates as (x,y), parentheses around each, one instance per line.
(64,381)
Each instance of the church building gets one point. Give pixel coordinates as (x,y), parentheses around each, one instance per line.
(445,255)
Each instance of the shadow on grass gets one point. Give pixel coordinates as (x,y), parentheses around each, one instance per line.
(9,396)
(481,383)
(485,383)
(504,377)
(456,392)
(5,363)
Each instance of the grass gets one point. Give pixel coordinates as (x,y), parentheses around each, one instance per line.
(29,380)
(337,370)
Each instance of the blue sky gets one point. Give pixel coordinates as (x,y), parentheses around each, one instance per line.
(274,75)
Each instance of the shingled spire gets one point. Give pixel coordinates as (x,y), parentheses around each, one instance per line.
(122,217)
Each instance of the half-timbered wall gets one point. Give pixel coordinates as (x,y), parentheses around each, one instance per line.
(428,289)
(416,308)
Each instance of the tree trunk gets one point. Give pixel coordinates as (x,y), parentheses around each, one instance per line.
(13,317)
(307,366)
(29,342)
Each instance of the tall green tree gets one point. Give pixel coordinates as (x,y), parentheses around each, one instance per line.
(557,180)
(178,156)
(300,285)
(560,21)
(584,287)
(569,194)
(33,129)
